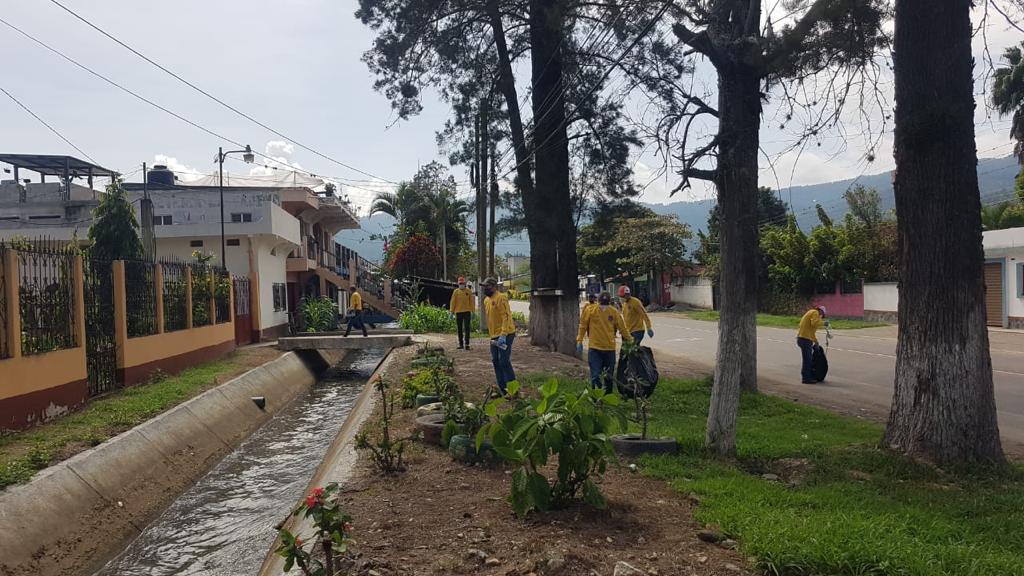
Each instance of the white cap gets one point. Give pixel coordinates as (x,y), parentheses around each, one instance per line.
(822,308)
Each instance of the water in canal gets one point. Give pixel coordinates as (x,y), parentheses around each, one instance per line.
(224,524)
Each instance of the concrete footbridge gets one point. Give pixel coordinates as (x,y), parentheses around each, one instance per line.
(338,341)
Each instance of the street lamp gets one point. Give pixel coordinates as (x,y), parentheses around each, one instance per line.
(248,157)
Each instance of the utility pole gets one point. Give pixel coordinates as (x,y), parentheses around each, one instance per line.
(494,206)
(480,160)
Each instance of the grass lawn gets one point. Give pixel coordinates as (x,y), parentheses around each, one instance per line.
(857,510)
(774,321)
(23,453)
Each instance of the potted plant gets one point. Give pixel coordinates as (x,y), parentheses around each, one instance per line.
(637,377)
(448,392)
(461,427)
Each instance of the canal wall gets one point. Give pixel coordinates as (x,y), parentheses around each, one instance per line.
(76,515)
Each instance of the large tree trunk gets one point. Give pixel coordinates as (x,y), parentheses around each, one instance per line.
(555,313)
(736,180)
(943,408)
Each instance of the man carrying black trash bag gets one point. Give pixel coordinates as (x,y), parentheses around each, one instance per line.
(807,340)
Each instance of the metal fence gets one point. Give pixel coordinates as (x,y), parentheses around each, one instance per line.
(5,351)
(100,341)
(221,295)
(140,293)
(47,295)
(175,296)
(242,305)
(201,295)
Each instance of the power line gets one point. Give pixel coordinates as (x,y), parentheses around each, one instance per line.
(44,123)
(214,98)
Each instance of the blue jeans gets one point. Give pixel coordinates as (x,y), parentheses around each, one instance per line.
(806,360)
(502,360)
(602,367)
(638,336)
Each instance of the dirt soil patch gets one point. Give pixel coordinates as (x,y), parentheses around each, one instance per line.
(443,517)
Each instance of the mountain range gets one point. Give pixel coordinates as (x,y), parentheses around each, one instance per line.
(995,181)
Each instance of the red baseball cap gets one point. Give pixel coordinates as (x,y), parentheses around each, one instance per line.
(462,279)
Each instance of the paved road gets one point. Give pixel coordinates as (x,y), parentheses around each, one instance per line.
(861,367)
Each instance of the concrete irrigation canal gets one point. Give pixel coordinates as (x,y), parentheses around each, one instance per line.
(224,524)
(200,488)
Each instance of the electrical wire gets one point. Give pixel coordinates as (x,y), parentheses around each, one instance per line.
(44,123)
(215,98)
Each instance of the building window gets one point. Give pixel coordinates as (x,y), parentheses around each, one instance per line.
(1020,280)
(237,217)
(195,243)
(280,297)
(234,242)
(164,220)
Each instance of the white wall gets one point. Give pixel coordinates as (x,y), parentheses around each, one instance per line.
(181,249)
(271,270)
(695,292)
(1014,301)
(881,296)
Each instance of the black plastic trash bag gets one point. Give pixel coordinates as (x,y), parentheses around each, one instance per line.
(819,364)
(638,372)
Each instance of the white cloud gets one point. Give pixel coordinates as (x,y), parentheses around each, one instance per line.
(183,171)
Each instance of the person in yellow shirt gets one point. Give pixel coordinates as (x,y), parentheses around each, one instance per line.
(807,339)
(502,332)
(461,307)
(591,303)
(355,309)
(600,325)
(635,316)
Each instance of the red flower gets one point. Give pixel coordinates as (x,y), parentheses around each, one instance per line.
(318,492)
(298,542)
(311,501)
(347,526)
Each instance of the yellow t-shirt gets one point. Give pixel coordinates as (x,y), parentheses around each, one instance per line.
(635,316)
(356,302)
(601,323)
(499,315)
(462,301)
(809,325)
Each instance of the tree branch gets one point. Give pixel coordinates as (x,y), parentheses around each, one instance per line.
(699,174)
(792,39)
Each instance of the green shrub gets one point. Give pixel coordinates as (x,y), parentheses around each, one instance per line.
(424,318)
(320,314)
(575,427)
(425,381)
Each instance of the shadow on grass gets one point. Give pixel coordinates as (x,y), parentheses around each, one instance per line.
(812,493)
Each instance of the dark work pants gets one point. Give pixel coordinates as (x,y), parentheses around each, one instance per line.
(602,369)
(357,321)
(462,320)
(806,360)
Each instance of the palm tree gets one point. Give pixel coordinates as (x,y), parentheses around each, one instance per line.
(1008,98)
(405,205)
(449,213)
(1001,216)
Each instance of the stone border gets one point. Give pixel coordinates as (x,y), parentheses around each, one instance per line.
(75,516)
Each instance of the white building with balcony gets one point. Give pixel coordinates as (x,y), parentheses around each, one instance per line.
(279,236)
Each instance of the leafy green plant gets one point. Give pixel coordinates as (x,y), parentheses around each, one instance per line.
(319,314)
(425,381)
(574,427)
(333,533)
(424,318)
(385,452)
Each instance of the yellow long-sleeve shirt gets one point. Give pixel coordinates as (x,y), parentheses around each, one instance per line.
(587,308)
(499,315)
(356,302)
(601,324)
(462,301)
(809,325)
(635,316)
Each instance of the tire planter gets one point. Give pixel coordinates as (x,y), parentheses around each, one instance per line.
(634,445)
(423,399)
(462,448)
(430,426)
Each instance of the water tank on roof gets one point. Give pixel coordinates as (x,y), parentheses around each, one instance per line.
(161,175)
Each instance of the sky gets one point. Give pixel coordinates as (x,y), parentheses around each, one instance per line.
(296,67)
